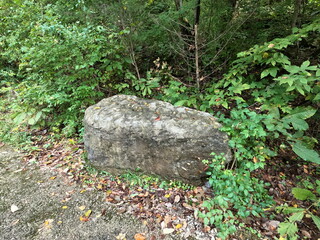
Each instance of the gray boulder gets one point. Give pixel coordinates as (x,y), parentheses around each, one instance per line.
(126,132)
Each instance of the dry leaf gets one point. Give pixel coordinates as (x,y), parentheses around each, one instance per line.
(53,177)
(306,234)
(64,207)
(178,226)
(121,236)
(14,208)
(139,236)
(88,213)
(167,230)
(82,207)
(177,198)
(187,206)
(84,219)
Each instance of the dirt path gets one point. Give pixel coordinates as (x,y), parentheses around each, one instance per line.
(37,204)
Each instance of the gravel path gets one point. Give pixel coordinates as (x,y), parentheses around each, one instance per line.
(37,204)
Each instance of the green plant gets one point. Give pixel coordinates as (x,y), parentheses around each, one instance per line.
(288,229)
(236,196)
(59,67)
(147,181)
(270,98)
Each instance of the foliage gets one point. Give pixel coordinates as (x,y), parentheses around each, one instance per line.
(264,89)
(147,181)
(63,67)
(236,196)
(288,229)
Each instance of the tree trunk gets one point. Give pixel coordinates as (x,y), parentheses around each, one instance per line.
(296,13)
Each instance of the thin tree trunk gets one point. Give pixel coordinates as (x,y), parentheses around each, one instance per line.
(197,55)
(196,42)
(296,13)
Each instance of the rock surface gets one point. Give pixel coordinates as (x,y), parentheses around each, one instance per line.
(34,205)
(125,133)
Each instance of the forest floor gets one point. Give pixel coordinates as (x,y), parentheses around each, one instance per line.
(80,198)
(36,202)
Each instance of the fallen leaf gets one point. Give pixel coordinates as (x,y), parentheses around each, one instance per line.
(82,207)
(48,223)
(177,198)
(167,230)
(82,191)
(187,206)
(14,208)
(84,219)
(178,226)
(88,213)
(53,177)
(121,236)
(306,234)
(139,236)
(64,207)
(15,222)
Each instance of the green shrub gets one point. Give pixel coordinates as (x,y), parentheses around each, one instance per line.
(61,68)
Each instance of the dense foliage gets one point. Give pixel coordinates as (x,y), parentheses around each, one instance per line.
(253,64)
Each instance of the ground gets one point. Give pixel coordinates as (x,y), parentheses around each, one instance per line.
(52,192)
(37,203)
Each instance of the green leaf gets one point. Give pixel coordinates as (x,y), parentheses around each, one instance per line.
(317,97)
(288,210)
(306,153)
(303,194)
(269,71)
(296,216)
(31,121)
(302,113)
(239,88)
(18,119)
(299,124)
(180,103)
(288,229)
(316,220)
(305,64)
(292,69)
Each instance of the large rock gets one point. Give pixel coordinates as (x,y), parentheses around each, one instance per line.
(126,132)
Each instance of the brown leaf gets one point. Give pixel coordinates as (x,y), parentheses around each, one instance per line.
(306,234)
(139,236)
(177,198)
(187,206)
(84,219)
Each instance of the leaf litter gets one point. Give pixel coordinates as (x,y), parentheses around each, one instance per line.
(174,210)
